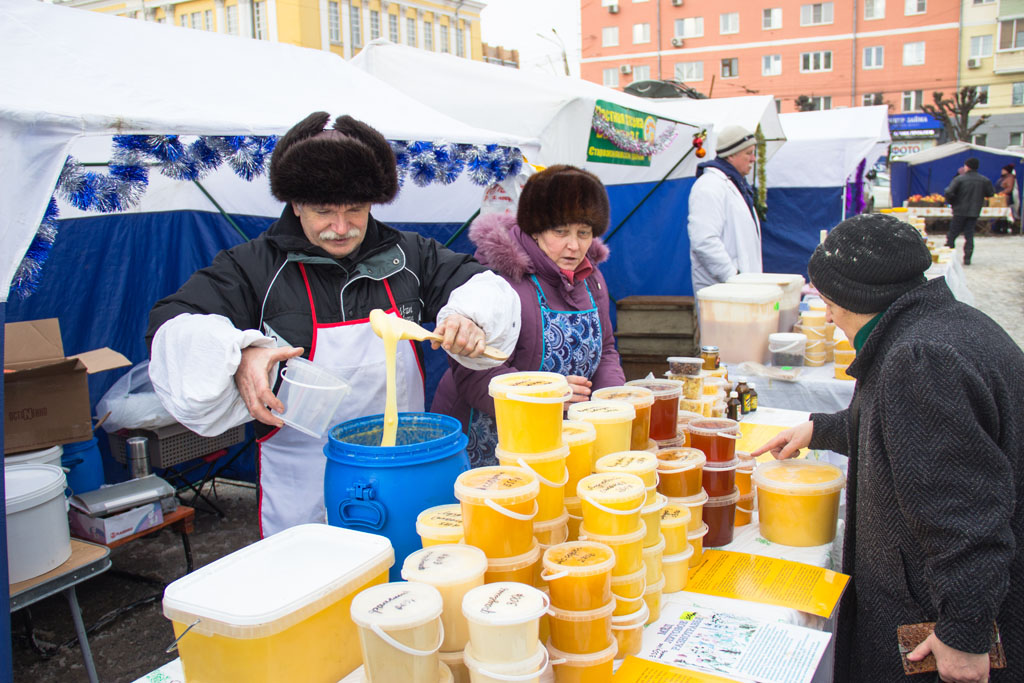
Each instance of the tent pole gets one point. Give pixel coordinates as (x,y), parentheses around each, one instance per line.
(222,211)
(845,186)
(614,230)
(462,227)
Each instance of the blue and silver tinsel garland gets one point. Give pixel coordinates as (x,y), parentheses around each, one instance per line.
(127,177)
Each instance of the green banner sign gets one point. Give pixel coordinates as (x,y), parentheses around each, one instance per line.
(626,123)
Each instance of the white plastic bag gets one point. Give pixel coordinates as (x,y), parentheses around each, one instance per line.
(132,403)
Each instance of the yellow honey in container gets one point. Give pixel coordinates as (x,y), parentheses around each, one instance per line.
(676,569)
(641,398)
(498,508)
(628,548)
(574,508)
(696,541)
(504,621)
(640,463)
(400,631)
(579,436)
(628,630)
(551,472)
(841,373)
(612,421)
(266,611)
(612,502)
(440,524)
(651,516)
(579,575)
(521,568)
(798,501)
(696,505)
(745,509)
(553,531)
(680,471)
(683,418)
(652,560)
(456,666)
(675,519)
(590,668)
(582,632)
(744,472)
(628,590)
(652,596)
(528,410)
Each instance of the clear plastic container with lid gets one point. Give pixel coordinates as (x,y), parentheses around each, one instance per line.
(745,509)
(685,365)
(640,463)
(628,548)
(738,319)
(679,471)
(579,575)
(577,668)
(400,631)
(651,516)
(641,399)
(574,508)
(550,470)
(719,478)
(791,284)
(744,471)
(666,405)
(612,420)
(693,385)
(676,570)
(628,630)
(652,596)
(521,568)
(453,570)
(440,524)
(695,504)
(675,518)
(683,418)
(504,621)
(652,560)
(612,502)
(582,632)
(715,437)
(628,590)
(552,531)
(720,517)
(798,501)
(498,508)
(696,540)
(528,670)
(528,410)
(266,611)
(579,436)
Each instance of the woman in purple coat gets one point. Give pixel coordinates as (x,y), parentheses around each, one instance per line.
(549,253)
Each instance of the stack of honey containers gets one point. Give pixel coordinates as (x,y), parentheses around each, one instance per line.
(812,324)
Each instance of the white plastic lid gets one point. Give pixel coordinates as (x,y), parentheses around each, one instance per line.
(398,605)
(504,603)
(445,564)
(787,337)
(701,532)
(34,456)
(634,462)
(680,459)
(683,556)
(542,386)
(534,664)
(610,487)
(712,426)
(601,412)
(788,281)
(721,501)
(692,501)
(577,431)
(585,661)
(799,477)
(589,615)
(29,485)
(441,520)
(638,397)
(508,484)
(736,293)
(674,514)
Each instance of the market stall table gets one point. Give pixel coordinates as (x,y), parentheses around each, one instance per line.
(814,390)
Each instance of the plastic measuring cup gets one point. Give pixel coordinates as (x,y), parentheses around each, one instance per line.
(674,521)
(612,502)
(580,437)
(720,516)
(798,501)
(582,632)
(528,410)
(550,470)
(666,405)
(504,620)
(400,631)
(628,548)
(579,574)
(440,524)
(612,422)
(628,630)
(679,471)
(311,395)
(715,437)
(641,399)
(498,507)
(676,570)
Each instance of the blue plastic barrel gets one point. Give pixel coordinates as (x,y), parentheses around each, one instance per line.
(382,490)
(84,464)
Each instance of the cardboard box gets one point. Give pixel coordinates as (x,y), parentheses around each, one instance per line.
(998,201)
(111,528)
(46,394)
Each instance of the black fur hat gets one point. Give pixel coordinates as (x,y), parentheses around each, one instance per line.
(350,163)
(562,195)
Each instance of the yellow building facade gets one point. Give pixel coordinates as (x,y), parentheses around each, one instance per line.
(992,59)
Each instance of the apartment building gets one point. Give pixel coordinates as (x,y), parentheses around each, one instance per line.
(839,53)
(339,26)
(992,59)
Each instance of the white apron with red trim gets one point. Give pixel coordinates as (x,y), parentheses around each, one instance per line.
(292,463)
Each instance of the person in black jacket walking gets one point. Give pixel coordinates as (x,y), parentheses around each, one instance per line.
(966,194)
(935,437)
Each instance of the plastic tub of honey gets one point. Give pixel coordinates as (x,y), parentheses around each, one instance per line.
(652,596)
(641,399)
(629,591)
(666,405)
(515,568)
(798,501)
(453,570)
(628,548)
(612,502)
(574,508)
(714,386)
(456,665)
(582,632)
(551,472)
(612,420)
(843,356)
(400,632)
(579,436)
(683,418)
(679,472)
(676,570)
(745,509)
(440,524)
(579,575)
(666,444)
(652,446)
(527,670)
(652,560)
(628,630)
(744,471)
(640,463)
(498,508)
(841,373)
(691,405)
(576,668)
(719,478)
(265,612)
(695,504)
(504,621)
(696,541)
(674,521)
(552,531)
(715,437)
(528,410)
(445,674)
(720,517)
(651,515)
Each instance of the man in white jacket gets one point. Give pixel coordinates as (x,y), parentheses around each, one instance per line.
(725,234)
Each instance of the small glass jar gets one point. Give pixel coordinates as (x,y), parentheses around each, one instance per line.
(710,356)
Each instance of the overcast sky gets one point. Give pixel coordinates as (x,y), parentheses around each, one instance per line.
(515,24)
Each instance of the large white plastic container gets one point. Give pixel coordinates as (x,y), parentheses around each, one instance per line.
(38,538)
(737,318)
(47,456)
(277,609)
(792,285)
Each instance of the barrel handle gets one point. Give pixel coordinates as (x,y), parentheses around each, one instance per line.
(509,513)
(519,677)
(348,519)
(401,647)
(174,645)
(613,511)
(543,480)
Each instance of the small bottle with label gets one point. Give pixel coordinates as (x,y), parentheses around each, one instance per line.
(752,396)
(741,390)
(733,409)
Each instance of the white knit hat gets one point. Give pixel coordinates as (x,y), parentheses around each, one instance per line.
(733,139)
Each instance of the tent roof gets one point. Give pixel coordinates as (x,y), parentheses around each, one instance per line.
(950,149)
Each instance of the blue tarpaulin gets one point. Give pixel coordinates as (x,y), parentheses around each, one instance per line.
(932,170)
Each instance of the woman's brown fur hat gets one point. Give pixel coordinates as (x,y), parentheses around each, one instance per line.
(562,195)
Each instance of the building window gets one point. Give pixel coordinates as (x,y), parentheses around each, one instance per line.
(393,28)
(460,42)
(259,22)
(641,33)
(874,9)
(778,106)
(916,7)
(610,78)
(730,67)
(913,54)
(1011,34)
(816,14)
(821,103)
(355,27)
(867,99)
(982,95)
(333,22)
(231,13)
(610,36)
(691,27)
(771,65)
(771,18)
(874,57)
(428,35)
(912,100)
(1016,139)
(689,72)
(729,23)
(445,47)
(816,61)
(208,20)
(983,2)
(642,73)
(184,21)
(410,31)
(1018,94)
(374,24)
(197,20)
(979,139)
(981,46)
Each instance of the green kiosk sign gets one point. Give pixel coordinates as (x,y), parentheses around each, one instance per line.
(627,122)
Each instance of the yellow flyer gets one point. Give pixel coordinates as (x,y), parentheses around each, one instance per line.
(636,670)
(768,580)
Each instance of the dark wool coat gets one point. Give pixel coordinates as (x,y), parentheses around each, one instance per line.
(935,520)
(500,248)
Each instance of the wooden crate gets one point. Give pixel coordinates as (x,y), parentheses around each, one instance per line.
(674,316)
(650,345)
(638,366)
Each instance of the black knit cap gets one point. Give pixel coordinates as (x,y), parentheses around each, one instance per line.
(869,261)
(350,163)
(562,195)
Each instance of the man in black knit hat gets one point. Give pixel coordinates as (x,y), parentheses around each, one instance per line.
(966,194)
(935,437)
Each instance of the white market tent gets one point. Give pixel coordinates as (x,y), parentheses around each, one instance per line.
(749,111)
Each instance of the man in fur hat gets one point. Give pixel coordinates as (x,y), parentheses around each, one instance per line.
(305,288)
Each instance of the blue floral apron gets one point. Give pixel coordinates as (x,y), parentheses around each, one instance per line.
(572,344)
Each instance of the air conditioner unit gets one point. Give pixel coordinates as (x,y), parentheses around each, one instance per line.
(677,42)
(613,9)
(677,3)
(974,63)
(626,69)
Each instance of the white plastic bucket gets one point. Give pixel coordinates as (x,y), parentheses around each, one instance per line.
(47,456)
(38,538)
(311,395)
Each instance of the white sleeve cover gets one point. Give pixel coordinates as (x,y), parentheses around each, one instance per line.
(192,366)
(491,303)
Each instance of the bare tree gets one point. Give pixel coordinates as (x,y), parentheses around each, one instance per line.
(954,113)
(804,103)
